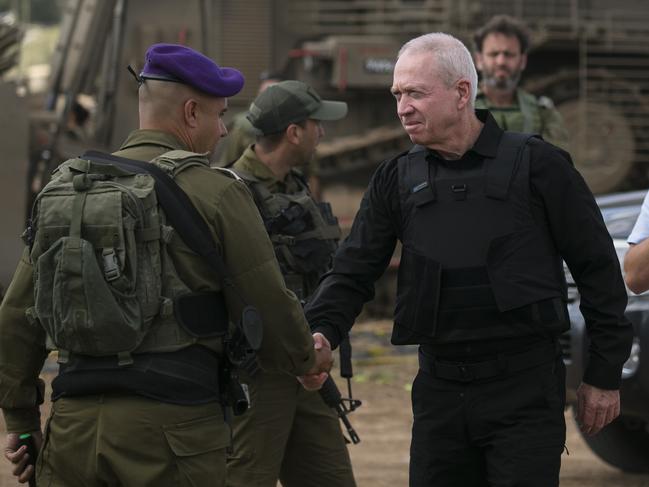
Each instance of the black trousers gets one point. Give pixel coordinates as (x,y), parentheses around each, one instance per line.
(500,432)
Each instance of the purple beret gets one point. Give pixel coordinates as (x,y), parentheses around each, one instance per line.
(181,64)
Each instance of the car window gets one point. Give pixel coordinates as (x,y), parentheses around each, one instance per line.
(620,222)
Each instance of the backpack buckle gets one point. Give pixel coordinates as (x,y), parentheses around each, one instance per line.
(111,266)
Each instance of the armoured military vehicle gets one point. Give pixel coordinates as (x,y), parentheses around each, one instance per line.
(14,143)
(590,56)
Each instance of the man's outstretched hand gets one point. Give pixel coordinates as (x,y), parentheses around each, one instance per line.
(314,378)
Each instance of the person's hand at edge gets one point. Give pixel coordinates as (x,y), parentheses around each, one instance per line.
(19,456)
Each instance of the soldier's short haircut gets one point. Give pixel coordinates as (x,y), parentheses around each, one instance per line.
(452,56)
(506,25)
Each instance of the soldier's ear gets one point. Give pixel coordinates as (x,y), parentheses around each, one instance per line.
(190,112)
(293,133)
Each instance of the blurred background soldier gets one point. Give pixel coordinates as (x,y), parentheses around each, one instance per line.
(151,415)
(501,47)
(242,134)
(308,447)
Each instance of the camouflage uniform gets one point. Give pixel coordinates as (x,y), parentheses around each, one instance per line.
(289,433)
(130,440)
(530,114)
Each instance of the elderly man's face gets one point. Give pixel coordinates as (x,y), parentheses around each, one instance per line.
(501,61)
(426,106)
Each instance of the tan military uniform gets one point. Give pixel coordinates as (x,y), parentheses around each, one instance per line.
(529,114)
(133,441)
(290,433)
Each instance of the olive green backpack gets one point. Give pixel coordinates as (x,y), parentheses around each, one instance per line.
(102,274)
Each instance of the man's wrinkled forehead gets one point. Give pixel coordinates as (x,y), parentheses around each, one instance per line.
(416,69)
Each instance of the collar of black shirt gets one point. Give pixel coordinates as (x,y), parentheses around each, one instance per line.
(486,144)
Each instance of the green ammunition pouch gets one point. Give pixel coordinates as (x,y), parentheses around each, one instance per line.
(104,282)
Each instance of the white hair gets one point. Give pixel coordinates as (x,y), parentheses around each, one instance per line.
(453,58)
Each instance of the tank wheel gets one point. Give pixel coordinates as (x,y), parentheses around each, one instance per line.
(624,444)
(603,152)
(603,140)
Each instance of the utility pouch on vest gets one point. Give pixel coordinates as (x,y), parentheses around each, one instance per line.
(524,267)
(418,292)
(202,314)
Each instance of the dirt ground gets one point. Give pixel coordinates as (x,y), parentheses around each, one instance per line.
(382,380)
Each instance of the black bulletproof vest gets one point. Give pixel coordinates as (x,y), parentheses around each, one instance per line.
(475,264)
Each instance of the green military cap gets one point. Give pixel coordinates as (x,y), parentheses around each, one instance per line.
(290,102)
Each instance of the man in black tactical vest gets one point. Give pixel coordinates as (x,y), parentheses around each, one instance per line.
(485,218)
(308,446)
(142,323)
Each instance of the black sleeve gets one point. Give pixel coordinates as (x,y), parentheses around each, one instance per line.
(360,260)
(584,243)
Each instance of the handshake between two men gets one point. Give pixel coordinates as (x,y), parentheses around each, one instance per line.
(314,379)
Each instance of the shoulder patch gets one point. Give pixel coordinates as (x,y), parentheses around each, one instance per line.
(176,161)
(226,171)
(545,102)
(178,156)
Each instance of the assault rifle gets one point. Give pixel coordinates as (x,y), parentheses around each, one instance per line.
(240,351)
(332,396)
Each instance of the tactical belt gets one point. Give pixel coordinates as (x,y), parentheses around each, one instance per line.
(187,376)
(501,365)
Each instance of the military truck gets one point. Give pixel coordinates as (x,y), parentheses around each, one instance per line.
(590,56)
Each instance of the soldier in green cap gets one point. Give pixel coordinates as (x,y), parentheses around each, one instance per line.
(308,447)
(150,414)
(501,47)
(242,134)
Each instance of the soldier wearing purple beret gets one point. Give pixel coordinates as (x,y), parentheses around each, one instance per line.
(156,418)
